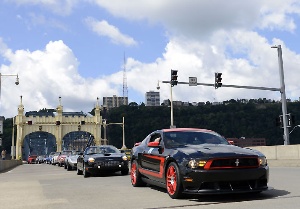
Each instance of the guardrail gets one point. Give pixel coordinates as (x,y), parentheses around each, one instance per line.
(281,155)
(280,152)
(9,164)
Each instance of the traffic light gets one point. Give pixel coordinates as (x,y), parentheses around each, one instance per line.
(290,120)
(218,80)
(174,77)
(57,122)
(29,122)
(279,121)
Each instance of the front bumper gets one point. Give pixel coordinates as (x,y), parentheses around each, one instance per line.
(226,181)
(113,166)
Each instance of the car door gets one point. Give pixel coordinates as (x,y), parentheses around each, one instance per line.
(152,158)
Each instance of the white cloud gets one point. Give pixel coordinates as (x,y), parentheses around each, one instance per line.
(205,37)
(103,28)
(196,19)
(44,76)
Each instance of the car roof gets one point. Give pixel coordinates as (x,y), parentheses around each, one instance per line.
(186,129)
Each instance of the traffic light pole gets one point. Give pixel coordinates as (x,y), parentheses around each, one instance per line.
(218,84)
(232,86)
(283,97)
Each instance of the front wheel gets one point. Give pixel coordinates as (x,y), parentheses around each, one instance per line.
(79,172)
(85,172)
(125,171)
(135,175)
(173,181)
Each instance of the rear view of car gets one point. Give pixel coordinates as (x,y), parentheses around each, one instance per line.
(32,159)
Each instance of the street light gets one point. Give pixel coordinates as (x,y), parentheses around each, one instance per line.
(17,83)
(171,101)
(17,80)
(104,122)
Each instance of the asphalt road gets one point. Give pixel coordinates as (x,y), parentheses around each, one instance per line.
(42,186)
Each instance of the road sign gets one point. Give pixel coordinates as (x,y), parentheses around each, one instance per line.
(192,81)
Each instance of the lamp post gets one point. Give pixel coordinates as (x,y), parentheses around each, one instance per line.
(13,141)
(16,82)
(123,127)
(171,101)
(283,96)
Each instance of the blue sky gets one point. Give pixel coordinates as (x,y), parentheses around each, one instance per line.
(75,49)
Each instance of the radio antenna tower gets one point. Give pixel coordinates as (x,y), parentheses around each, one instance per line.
(125,90)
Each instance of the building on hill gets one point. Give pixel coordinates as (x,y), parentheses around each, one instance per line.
(114,101)
(152,98)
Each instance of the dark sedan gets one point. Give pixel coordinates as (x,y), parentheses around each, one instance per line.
(197,161)
(99,159)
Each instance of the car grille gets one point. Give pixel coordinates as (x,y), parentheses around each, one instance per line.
(234,185)
(248,162)
(108,163)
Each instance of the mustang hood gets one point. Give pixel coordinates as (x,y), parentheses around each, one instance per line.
(211,150)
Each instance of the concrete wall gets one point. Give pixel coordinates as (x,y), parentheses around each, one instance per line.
(280,152)
(9,164)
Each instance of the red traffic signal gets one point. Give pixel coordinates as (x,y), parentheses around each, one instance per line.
(174,77)
(218,80)
(57,122)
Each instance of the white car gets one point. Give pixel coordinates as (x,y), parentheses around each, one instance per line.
(54,158)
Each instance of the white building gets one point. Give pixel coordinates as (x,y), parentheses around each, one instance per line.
(114,101)
(152,98)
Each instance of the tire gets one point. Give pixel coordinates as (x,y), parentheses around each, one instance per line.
(135,175)
(173,181)
(79,172)
(85,173)
(69,168)
(125,171)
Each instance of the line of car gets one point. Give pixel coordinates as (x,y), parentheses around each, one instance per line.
(92,161)
(181,160)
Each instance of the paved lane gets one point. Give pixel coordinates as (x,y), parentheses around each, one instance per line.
(51,187)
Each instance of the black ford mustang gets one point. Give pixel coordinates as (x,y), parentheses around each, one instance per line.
(104,158)
(197,161)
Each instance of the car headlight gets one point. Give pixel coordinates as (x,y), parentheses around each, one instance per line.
(262,161)
(91,159)
(197,163)
(124,158)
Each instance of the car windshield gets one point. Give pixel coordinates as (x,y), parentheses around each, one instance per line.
(101,150)
(184,138)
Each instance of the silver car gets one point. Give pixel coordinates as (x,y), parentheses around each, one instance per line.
(71,161)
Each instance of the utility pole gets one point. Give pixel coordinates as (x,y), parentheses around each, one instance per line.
(283,96)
